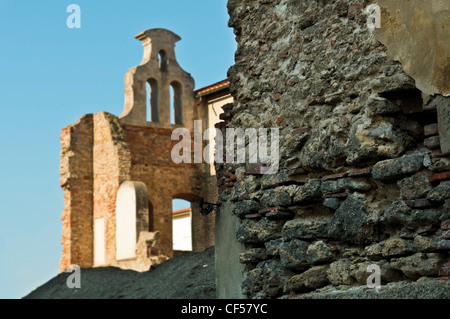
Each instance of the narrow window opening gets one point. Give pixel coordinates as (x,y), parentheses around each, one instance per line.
(152,101)
(162,58)
(175,103)
(148,100)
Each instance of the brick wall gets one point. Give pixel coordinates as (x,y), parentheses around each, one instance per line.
(76,181)
(98,154)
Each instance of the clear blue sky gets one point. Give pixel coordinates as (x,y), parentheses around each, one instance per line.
(50,76)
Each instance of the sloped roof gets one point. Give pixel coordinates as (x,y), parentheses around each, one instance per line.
(212,88)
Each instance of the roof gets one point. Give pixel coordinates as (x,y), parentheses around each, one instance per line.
(184,210)
(212,88)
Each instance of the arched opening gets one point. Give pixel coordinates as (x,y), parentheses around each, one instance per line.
(175,103)
(162,58)
(181,226)
(152,101)
(131,217)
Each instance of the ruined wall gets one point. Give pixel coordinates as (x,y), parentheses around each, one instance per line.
(362,179)
(98,155)
(76,181)
(111,167)
(152,164)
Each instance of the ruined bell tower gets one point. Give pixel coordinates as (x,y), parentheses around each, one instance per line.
(117,173)
(159,70)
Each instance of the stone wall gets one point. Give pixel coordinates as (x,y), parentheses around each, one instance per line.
(362,179)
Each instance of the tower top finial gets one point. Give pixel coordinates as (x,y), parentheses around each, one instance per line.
(160,70)
(155,40)
(158,34)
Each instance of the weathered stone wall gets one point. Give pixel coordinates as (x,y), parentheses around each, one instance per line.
(362,179)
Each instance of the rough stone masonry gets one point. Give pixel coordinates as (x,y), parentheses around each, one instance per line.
(364,175)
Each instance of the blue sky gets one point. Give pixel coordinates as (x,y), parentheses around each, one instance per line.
(50,76)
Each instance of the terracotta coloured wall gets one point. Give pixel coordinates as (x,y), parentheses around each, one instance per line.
(76,181)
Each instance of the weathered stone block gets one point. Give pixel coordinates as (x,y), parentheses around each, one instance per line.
(440,193)
(305,228)
(395,247)
(274,278)
(311,279)
(252,232)
(308,192)
(418,265)
(331,202)
(319,252)
(273,247)
(340,272)
(352,223)
(401,214)
(253,282)
(244,207)
(416,186)
(424,244)
(253,255)
(293,254)
(251,183)
(374,250)
(279,196)
(398,167)
(389,248)
(387,273)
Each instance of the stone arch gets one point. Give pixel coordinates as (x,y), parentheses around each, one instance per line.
(132,213)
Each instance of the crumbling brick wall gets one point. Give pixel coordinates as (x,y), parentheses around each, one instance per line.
(76,181)
(361,179)
(98,155)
